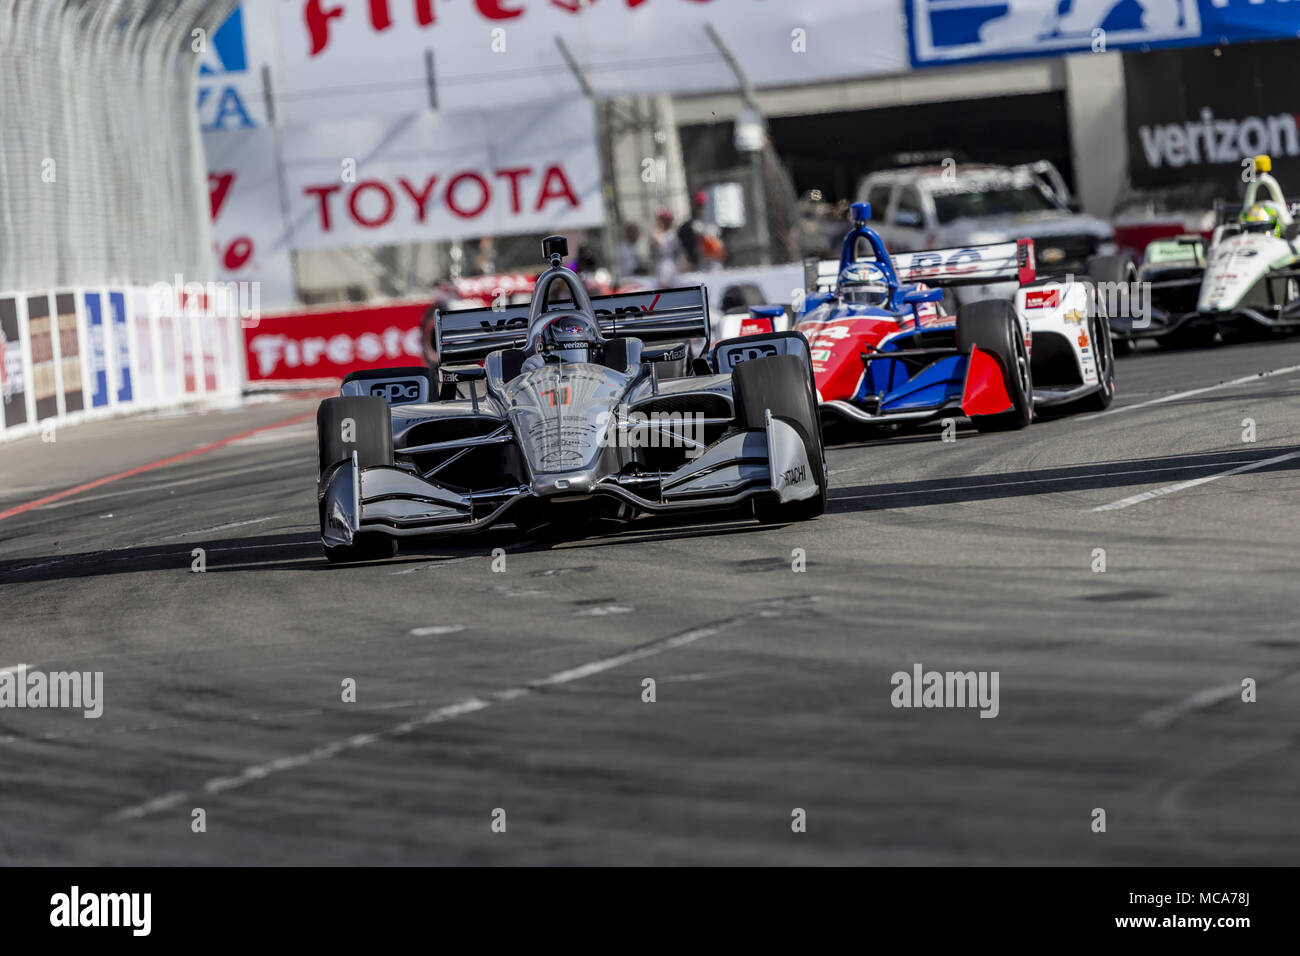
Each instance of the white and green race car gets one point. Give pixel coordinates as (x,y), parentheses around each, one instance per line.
(1244,282)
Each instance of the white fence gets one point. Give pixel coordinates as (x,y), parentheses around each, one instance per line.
(102,178)
(86,353)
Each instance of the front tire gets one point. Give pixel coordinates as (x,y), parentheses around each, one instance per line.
(992,325)
(782,384)
(344,425)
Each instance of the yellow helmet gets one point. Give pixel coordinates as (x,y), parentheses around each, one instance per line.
(1260,219)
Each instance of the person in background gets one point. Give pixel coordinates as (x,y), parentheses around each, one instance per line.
(688,233)
(665,248)
(586,262)
(700,238)
(629,257)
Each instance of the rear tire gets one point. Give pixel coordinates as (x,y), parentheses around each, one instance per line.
(1115,269)
(370,428)
(992,325)
(1104,358)
(782,384)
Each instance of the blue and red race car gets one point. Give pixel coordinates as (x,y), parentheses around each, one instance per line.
(884,351)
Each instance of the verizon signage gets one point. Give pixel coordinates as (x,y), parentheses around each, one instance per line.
(1195,115)
(446,175)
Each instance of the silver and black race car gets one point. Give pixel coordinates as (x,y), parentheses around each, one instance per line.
(572,419)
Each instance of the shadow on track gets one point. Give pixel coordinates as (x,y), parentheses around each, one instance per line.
(1019,484)
(301,551)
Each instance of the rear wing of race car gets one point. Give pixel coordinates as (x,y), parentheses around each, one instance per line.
(962,265)
(661,315)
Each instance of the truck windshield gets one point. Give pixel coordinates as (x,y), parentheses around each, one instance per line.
(992,202)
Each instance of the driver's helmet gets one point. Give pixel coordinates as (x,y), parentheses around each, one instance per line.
(568,337)
(863,283)
(1260,218)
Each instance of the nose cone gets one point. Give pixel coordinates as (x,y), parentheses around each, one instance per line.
(550,486)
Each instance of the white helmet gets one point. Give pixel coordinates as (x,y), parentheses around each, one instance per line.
(863,283)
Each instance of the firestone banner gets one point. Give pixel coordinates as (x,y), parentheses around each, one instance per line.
(357,57)
(445,175)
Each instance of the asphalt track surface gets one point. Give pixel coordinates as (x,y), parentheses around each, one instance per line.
(521,690)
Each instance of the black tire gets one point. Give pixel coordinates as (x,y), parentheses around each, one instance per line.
(372,439)
(741,296)
(992,325)
(1115,269)
(782,384)
(1104,356)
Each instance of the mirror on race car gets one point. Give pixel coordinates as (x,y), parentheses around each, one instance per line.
(465,373)
(918,296)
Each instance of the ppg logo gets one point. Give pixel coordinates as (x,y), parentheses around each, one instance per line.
(397,391)
(743,353)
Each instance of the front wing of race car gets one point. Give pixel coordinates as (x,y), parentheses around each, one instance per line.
(950,383)
(395,500)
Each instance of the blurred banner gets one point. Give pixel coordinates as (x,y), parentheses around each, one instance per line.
(1195,115)
(445,175)
(359,57)
(248,228)
(955,31)
(230,89)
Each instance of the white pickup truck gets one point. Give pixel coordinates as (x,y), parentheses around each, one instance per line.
(952,204)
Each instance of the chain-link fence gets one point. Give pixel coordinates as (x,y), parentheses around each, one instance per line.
(102,178)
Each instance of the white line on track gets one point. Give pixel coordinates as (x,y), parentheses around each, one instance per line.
(1244,380)
(450,712)
(1033,481)
(1184,485)
(1164,716)
(436,629)
(435,563)
(224,527)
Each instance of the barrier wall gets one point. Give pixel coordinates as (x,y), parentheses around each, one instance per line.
(78,354)
(324,344)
